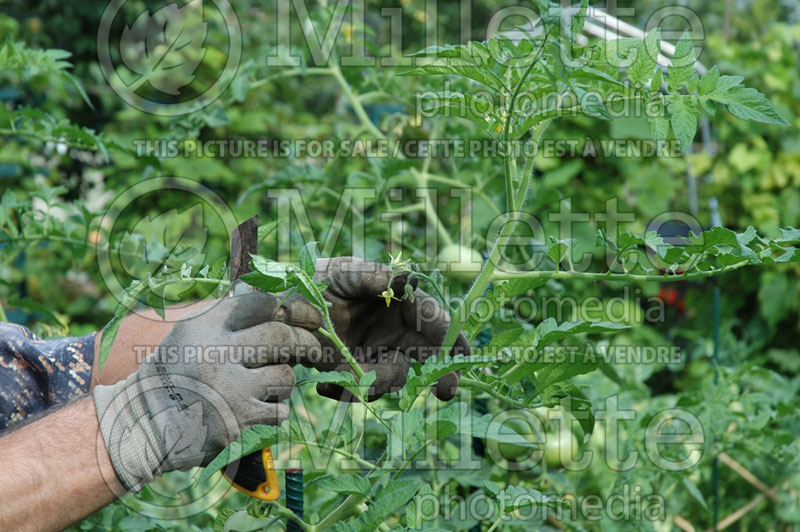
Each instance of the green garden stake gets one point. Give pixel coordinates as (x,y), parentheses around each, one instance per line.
(294,496)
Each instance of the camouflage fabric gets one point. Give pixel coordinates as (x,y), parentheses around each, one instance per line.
(36,374)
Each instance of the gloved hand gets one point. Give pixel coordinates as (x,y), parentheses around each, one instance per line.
(214,374)
(381,338)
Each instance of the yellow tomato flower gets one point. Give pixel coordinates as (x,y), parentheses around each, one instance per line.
(387,295)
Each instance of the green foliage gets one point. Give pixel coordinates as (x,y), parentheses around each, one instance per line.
(754,176)
(521,497)
(388,499)
(431,371)
(347,484)
(273,276)
(127,301)
(254,439)
(496,297)
(25,64)
(712,252)
(593,82)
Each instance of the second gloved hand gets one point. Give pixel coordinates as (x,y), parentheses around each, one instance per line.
(383,339)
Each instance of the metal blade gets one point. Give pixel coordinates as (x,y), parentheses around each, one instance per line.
(244,241)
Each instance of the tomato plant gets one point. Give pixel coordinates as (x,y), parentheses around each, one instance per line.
(536,68)
(397,464)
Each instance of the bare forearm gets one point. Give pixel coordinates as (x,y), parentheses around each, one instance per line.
(136,332)
(56,471)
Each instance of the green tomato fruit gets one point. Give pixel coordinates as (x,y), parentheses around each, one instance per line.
(518,453)
(460,262)
(559,448)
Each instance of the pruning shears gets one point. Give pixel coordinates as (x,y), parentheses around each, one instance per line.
(255,473)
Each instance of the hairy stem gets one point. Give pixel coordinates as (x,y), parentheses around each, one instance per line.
(331,335)
(349,507)
(286,513)
(354,457)
(610,276)
(201,280)
(468,382)
(510,162)
(514,201)
(355,102)
(289,73)
(48,138)
(486,275)
(409,461)
(496,523)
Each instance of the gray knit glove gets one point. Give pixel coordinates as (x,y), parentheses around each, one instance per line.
(217,372)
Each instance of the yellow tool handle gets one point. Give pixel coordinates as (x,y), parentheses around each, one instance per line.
(255,475)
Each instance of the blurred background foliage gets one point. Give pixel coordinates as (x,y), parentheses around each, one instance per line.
(753,171)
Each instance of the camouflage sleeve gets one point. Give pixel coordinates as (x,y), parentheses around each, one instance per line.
(36,374)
